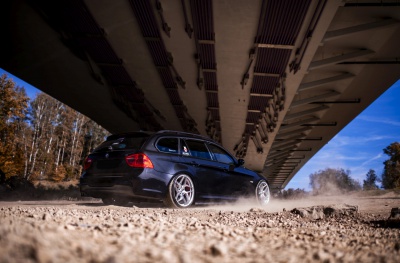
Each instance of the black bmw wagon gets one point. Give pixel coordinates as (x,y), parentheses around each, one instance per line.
(178,168)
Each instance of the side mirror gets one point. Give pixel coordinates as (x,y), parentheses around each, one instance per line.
(240,162)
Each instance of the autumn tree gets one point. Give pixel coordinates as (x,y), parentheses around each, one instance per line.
(13,109)
(61,137)
(370,181)
(391,172)
(45,114)
(48,140)
(333,181)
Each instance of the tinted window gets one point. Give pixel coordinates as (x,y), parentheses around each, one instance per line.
(198,149)
(124,142)
(168,145)
(220,154)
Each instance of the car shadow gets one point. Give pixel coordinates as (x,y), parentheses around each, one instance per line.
(389,223)
(128,205)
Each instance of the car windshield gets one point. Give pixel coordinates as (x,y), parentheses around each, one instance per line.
(122,142)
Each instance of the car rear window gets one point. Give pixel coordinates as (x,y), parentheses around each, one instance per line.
(167,145)
(123,142)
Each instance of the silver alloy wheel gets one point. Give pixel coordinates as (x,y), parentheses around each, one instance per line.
(262,192)
(182,190)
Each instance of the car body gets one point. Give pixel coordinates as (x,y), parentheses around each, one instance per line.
(175,167)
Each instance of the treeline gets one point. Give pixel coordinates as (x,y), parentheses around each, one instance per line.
(339,180)
(331,181)
(42,139)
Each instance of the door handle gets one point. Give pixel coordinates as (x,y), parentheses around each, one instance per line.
(195,164)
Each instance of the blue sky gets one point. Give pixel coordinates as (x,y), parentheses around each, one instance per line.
(358,147)
(30,90)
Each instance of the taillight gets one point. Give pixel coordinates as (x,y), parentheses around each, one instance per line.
(87,164)
(139,160)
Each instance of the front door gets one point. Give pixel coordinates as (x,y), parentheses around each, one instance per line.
(208,173)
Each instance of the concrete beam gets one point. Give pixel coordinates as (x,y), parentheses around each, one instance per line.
(318,83)
(334,34)
(335,60)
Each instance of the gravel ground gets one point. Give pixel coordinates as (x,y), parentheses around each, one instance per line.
(87,231)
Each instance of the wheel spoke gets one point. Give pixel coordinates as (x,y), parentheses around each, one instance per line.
(185,197)
(178,184)
(178,197)
(188,194)
(186,183)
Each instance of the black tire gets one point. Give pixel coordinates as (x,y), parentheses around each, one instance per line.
(180,192)
(263,194)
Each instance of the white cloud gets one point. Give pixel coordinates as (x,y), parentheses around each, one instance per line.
(340,141)
(379,120)
(376,157)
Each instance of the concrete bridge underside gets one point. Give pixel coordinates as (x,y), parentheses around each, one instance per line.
(271,80)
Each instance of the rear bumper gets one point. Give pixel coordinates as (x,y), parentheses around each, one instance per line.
(119,190)
(145,186)
(100,192)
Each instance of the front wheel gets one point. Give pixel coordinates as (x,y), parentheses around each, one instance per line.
(262,192)
(180,192)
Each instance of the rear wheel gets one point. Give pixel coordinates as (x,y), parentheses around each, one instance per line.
(262,192)
(180,192)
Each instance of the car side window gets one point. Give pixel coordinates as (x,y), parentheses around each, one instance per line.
(167,145)
(198,149)
(220,154)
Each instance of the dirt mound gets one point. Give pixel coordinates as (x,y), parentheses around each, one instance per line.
(321,212)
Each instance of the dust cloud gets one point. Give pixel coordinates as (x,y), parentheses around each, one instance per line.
(280,205)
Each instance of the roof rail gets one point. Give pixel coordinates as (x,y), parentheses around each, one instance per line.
(185,133)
